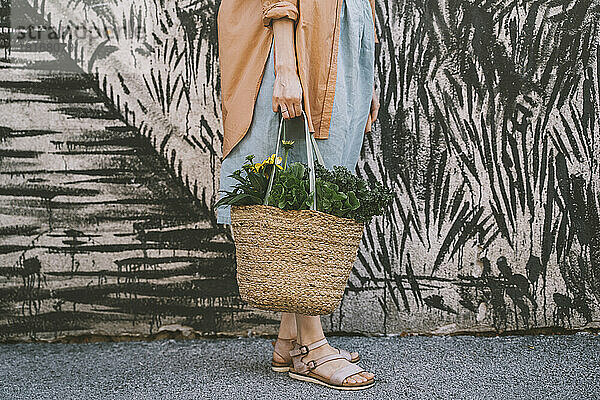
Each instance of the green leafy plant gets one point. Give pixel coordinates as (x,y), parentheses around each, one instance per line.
(252,181)
(291,189)
(345,194)
(338,191)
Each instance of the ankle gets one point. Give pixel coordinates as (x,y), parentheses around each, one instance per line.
(287,334)
(309,329)
(287,327)
(305,340)
(285,338)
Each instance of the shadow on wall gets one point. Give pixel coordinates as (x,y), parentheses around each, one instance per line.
(97,232)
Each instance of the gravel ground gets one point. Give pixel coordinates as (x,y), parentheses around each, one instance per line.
(460,367)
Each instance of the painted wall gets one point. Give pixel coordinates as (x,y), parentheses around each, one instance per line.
(488,134)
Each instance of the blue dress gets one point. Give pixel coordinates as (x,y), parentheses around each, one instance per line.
(351,105)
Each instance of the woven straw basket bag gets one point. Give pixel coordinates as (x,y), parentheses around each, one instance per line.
(294,261)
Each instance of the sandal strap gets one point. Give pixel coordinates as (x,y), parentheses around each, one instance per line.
(304,349)
(338,376)
(283,340)
(312,364)
(282,348)
(304,367)
(347,355)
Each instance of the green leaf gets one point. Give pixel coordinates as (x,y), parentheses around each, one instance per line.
(256,182)
(353,201)
(297,170)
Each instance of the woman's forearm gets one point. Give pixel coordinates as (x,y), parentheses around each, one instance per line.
(285,54)
(287,90)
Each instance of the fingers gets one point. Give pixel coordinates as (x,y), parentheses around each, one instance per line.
(298,108)
(374,109)
(375,105)
(290,109)
(368,127)
(293,105)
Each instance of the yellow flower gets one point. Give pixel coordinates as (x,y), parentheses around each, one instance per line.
(272,160)
(287,144)
(257,167)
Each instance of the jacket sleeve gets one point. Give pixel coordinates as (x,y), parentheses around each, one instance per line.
(275,9)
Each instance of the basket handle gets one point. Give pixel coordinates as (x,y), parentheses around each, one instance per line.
(311,146)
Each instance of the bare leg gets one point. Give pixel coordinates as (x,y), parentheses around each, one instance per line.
(287,327)
(310,330)
(287,330)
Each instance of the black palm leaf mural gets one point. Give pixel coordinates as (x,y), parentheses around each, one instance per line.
(489,135)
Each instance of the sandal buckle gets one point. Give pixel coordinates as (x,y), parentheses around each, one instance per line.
(311,364)
(304,350)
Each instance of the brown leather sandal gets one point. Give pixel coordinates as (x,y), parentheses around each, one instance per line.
(283,347)
(305,371)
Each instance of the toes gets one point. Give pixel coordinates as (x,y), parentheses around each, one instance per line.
(367,375)
(355,379)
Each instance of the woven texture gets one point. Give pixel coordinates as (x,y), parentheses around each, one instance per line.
(293,261)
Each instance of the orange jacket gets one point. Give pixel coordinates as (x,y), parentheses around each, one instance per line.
(245,33)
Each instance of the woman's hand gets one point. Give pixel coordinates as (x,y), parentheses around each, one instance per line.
(374,105)
(287,92)
(374,111)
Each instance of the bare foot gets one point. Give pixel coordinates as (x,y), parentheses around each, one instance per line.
(284,346)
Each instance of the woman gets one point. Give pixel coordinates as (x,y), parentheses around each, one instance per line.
(290,57)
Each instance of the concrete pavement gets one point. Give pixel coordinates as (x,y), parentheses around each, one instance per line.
(459,367)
